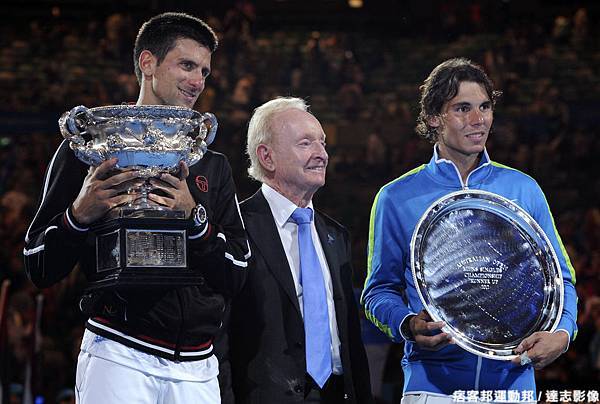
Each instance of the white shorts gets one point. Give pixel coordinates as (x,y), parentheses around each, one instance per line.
(101,381)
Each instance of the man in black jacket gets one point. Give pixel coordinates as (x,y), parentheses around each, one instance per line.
(294,332)
(140,345)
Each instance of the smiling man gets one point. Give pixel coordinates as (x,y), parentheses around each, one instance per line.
(294,332)
(457,112)
(171,68)
(148,345)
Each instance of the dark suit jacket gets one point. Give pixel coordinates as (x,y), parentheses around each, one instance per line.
(266,330)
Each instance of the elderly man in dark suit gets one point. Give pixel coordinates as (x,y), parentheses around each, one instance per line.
(294,333)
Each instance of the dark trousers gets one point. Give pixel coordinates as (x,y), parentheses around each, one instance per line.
(331,393)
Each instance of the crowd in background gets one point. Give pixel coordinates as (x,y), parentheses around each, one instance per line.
(363,87)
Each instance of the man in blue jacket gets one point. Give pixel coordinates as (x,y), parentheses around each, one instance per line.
(457,105)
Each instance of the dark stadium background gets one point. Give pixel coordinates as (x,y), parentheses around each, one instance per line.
(359,68)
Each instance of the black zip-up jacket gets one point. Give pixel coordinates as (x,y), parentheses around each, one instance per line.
(173,323)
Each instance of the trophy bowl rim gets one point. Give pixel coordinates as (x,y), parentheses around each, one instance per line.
(121,111)
(552,305)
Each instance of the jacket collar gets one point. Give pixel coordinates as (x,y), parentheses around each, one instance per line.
(445,171)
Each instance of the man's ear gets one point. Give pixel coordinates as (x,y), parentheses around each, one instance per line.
(148,63)
(434,121)
(265,157)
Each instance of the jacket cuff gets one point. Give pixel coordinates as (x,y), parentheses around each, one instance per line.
(73,225)
(200,233)
(404,328)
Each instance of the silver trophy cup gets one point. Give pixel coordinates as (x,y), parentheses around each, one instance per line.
(485,267)
(142,243)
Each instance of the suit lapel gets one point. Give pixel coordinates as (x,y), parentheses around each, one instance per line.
(334,248)
(262,230)
(329,242)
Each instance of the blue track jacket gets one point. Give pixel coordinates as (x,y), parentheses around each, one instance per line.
(390,295)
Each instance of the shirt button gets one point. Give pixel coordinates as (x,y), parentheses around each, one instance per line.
(298,389)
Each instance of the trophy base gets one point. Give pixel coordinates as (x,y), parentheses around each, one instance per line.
(156,212)
(142,278)
(142,251)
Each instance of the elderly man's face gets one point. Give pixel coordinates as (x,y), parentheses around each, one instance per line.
(298,152)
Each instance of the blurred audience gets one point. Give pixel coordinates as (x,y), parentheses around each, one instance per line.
(364,86)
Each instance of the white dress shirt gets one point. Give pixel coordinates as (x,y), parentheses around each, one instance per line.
(282,208)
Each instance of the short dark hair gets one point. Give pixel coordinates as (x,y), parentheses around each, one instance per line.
(159,34)
(442,85)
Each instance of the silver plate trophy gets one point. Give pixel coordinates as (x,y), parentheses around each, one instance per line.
(485,267)
(140,244)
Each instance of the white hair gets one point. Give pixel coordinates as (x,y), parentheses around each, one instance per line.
(260,131)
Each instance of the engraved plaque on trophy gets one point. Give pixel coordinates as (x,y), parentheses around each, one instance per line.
(485,267)
(140,244)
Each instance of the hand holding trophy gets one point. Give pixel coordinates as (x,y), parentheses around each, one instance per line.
(139,241)
(475,256)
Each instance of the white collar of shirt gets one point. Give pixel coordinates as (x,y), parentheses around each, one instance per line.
(281,207)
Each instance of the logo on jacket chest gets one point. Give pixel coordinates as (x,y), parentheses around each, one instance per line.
(201,183)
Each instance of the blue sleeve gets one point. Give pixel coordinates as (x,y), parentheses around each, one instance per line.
(543,216)
(385,282)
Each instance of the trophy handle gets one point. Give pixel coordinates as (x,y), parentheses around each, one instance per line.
(73,125)
(212,130)
(206,135)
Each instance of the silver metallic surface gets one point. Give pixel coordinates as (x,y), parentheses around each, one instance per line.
(156,248)
(151,138)
(485,267)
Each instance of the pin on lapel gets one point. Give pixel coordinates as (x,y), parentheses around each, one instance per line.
(330,239)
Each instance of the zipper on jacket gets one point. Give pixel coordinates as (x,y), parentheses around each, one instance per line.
(180,330)
(466,184)
(463,185)
(124,305)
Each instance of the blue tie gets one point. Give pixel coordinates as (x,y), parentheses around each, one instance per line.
(314,298)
